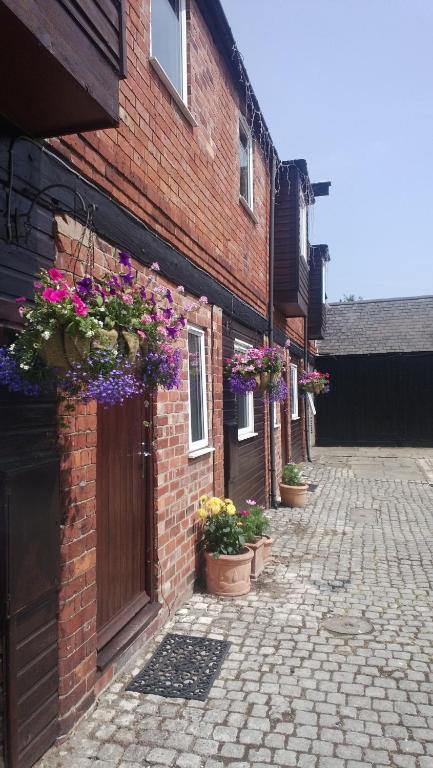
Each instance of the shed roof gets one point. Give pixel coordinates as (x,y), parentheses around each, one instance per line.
(378,326)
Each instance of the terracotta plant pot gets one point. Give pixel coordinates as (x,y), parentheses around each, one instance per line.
(258,561)
(267,550)
(293,495)
(229,575)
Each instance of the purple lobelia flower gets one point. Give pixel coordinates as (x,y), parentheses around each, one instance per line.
(12,378)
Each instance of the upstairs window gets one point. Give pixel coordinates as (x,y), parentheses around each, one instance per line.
(198,428)
(246,163)
(303,232)
(294,407)
(168,35)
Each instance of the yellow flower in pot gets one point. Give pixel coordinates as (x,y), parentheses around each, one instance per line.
(228,560)
(293,489)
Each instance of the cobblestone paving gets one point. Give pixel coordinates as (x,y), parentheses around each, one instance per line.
(291,693)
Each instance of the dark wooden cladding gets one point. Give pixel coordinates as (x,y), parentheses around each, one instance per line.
(316,305)
(291,269)
(377,400)
(29,498)
(63,60)
(244,461)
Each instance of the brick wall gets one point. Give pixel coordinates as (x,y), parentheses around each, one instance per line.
(183,181)
(178,482)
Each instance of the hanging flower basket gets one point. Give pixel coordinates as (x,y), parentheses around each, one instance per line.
(106,339)
(257,368)
(314,382)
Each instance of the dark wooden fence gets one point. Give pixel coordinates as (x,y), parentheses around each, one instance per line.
(377,400)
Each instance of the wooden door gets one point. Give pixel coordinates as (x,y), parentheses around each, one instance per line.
(123,554)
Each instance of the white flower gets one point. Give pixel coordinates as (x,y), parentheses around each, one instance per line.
(12,347)
(180,289)
(89,334)
(155,266)
(46,334)
(24,366)
(203,300)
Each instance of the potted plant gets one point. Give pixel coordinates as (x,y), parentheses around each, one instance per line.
(257,368)
(254,525)
(103,338)
(228,560)
(293,489)
(314,382)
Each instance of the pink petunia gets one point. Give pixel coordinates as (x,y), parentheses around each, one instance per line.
(54,295)
(80,307)
(127,298)
(252,502)
(21,298)
(55,274)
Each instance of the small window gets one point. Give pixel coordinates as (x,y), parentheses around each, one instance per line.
(303,234)
(246,163)
(168,35)
(245,404)
(198,429)
(294,392)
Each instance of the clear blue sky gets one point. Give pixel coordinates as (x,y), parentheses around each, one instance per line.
(348,85)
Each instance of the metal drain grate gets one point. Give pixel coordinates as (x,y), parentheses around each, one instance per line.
(182,667)
(348,625)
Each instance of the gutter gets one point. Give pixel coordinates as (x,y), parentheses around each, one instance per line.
(274,503)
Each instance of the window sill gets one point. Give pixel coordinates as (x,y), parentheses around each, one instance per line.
(201,452)
(249,210)
(177,98)
(247,437)
(295,418)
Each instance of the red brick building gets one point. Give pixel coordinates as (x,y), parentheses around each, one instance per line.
(170,165)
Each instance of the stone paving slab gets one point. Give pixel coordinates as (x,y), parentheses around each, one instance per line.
(291,693)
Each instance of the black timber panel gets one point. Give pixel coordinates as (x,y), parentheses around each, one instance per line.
(377,400)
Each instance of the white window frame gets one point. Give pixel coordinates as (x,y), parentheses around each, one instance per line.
(248,431)
(183,53)
(250,200)
(303,226)
(294,399)
(204,442)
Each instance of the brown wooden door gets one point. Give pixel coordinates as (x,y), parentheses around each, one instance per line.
(122,554)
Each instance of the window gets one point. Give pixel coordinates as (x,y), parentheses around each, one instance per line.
(303,234)
(198,429)
(246,163)
(294,392)
(168,35)
(245,404)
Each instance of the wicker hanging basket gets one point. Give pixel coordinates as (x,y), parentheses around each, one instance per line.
(263,380)
(132,344)
(77,347)
(52,351)
(105,339)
